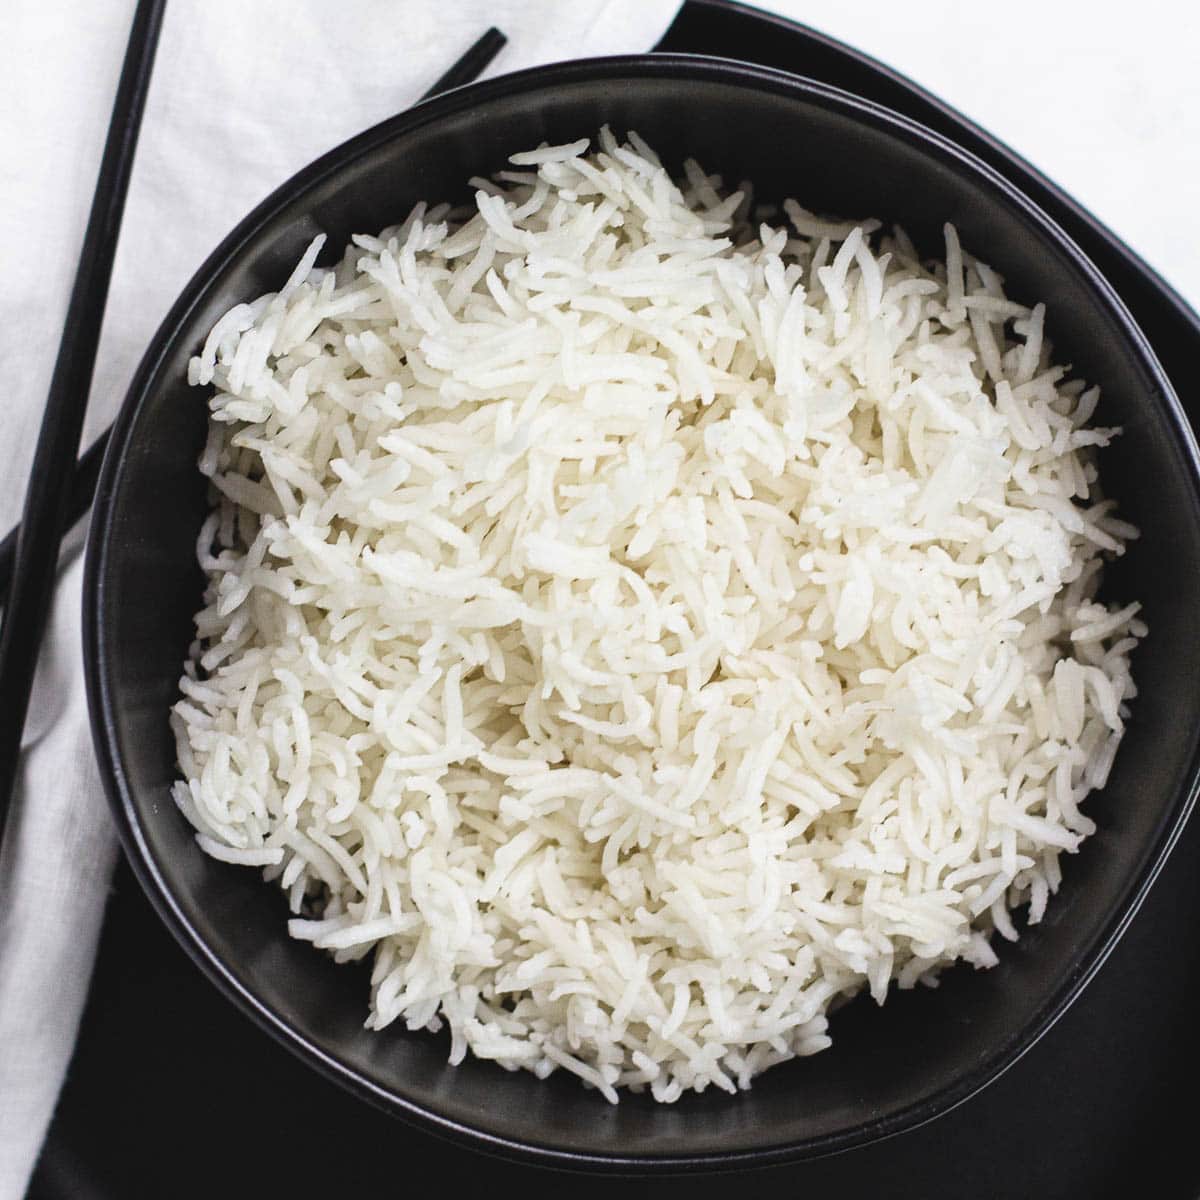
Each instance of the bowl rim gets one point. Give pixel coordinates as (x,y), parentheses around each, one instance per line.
(97,653)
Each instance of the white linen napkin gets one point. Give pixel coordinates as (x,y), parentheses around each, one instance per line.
(243,95)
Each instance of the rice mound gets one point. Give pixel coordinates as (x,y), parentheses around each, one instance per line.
(640,628)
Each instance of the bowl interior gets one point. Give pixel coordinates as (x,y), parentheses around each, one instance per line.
(889,1067)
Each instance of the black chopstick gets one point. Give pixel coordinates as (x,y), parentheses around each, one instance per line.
(79,500)
(46,497)
(87,469)
(473,63)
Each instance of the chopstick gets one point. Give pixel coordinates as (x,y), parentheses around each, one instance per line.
(82,485)
(473,63)
(79,499)
(47,494)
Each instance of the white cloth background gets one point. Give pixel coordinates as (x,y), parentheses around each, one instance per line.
(245,92)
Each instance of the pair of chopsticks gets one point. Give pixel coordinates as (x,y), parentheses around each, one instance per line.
(60,489)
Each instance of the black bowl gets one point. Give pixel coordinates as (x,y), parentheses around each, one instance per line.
(889,1068)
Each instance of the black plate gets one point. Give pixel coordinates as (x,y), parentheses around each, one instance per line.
(1089,1108)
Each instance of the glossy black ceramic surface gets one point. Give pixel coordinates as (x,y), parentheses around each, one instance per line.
(889,1069)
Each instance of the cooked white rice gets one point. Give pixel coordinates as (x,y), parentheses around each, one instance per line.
(639,630)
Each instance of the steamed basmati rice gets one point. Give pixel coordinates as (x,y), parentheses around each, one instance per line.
(639,628)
